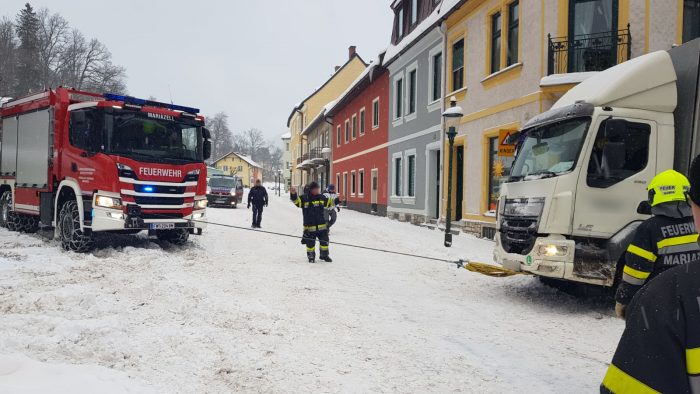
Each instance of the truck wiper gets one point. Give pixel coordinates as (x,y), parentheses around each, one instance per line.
(543,174)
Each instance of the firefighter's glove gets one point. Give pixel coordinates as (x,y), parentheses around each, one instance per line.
(305,238)
(338,208)
(620,310)
(248,205)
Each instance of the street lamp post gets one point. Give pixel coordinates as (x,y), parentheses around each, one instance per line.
(279,182)
(326,152)
(452,116)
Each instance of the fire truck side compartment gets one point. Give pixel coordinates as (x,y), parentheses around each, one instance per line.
(33,148)
(8,162)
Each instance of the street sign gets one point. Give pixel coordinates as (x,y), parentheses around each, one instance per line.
(505,150)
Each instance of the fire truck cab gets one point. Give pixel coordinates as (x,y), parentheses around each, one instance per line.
(83,163)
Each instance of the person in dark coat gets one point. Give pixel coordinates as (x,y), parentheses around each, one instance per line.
(313,204)
(257,197)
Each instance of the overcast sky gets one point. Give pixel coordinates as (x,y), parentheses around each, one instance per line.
(253,59)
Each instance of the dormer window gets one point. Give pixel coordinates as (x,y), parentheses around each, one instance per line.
(414,12)
(399,21)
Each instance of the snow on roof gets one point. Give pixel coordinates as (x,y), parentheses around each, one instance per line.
(321,115)
(286,136)
(566,79)
(436,16)
(248,160)
(362,76)
(4,100)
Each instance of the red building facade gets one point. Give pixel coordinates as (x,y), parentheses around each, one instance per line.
(360,140)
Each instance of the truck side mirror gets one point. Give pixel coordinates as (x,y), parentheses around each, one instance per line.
(206,134)
(206,149)
(644,208)
(615,127)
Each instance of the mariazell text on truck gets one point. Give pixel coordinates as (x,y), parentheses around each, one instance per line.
(577,189)
(84,163)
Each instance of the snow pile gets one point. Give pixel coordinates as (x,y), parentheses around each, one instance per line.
(22,375)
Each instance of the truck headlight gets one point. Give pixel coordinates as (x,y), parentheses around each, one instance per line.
(208,190)
(108,202)
(553,250)
(233,192)
(200,204)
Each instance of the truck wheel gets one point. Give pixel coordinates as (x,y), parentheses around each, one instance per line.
(179,236)
(5,207)
(72,238)
(14,222)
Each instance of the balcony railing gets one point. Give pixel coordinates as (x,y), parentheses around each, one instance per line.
(588,52)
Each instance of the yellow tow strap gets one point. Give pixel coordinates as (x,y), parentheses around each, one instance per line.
(490,269)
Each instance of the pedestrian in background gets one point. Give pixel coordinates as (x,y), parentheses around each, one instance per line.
(659,351)
(330,212)
(257,197)
(313,205)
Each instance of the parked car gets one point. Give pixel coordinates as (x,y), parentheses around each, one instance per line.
(224,190)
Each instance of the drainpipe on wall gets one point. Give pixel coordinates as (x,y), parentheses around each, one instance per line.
(443,35)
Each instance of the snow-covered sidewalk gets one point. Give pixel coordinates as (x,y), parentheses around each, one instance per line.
(242,311)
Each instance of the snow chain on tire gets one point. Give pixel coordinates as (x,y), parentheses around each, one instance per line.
(72,238)
(5,207)
(176,237)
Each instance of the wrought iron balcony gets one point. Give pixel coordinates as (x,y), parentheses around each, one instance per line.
(588,52)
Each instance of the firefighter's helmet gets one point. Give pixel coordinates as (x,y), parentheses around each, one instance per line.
(668,186)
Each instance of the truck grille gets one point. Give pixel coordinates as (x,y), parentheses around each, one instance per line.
(518,233)
(140,200)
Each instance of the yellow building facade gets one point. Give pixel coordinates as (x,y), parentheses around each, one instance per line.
(241,166)
(509,60)
(308,109)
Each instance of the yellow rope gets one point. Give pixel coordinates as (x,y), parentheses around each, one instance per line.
(491,270)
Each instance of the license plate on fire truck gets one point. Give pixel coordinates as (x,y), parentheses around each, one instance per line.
(162,226)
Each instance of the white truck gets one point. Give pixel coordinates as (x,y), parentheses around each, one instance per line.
(577,188)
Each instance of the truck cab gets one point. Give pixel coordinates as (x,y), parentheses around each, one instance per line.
(578,184)
(225,191)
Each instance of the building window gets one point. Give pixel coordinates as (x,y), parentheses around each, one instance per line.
(411,173)
(412,91)
(436,88)
(414,12)
(287,146)
(495,42)
(353,183)
(399,22)
(398,178)
(361,180)
(513,28)
(375,113)
(458,65)
(347,130)
(398,99)
(691,20)
(339,136)
(362,121)
(337,183)
(225,168)
(354,126)
(499,168)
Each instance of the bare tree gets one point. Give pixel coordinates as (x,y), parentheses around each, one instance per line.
(221,136)
(255,142)
(8,47)
(53,35)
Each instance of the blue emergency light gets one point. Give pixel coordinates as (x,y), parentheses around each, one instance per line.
(148,189)
(142,102)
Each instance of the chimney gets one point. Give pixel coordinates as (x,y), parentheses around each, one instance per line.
(337,68)
(352,50)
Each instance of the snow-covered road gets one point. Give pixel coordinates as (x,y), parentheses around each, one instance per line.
(242,311)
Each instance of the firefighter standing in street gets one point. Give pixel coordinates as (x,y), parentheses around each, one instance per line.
(313,204)
(660,348)
(257,196)
(330,213)
(665,240)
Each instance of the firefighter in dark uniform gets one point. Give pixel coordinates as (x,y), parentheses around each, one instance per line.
(663,241)
(660,348)
(313,204)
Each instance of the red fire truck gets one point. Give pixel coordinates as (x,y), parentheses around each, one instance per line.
(82,163)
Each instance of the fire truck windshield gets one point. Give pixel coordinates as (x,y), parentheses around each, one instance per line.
(156,137)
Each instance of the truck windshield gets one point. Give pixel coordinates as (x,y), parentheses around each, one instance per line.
(153,136)
(223,182)
(549,150)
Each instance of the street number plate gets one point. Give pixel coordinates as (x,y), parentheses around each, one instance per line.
(162,226)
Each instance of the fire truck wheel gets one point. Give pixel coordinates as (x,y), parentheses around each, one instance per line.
(178,236)
(13,221)
(72,238)
(28,224)
(5,207)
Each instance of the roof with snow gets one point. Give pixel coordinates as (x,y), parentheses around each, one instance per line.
(441,12)
(286,136)
(358,84)
(245,158)
(301,104)
(566,79)
(319,118)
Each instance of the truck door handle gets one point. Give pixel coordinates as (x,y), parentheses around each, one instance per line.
(73,167)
